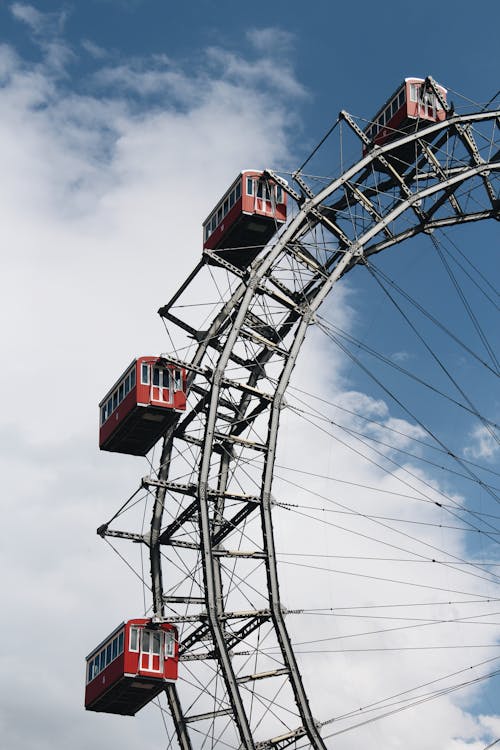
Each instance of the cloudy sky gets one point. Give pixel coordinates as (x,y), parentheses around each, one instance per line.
(121,123)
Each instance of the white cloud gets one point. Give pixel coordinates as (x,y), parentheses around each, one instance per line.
(401,356)
(29,15)
(46,29)
(482,444)
(41,23)
(102,208)
(144,81)
(265,72)
(94,50)
(491,724)
(272,42)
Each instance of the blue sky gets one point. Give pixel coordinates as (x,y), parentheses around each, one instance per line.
(121,123)
(345,55)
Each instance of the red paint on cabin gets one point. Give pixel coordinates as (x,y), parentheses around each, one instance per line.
(413,105)
(140,406)
(245,218)
(131,666)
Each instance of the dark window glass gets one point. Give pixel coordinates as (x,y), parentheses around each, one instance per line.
(156,638)
(134,639)
(102,660)
(132,378)
(145,374)
(156,376)
(145,641)
(108,653)
(120,643)
(126,385)
(237,193)
(231,199)
(120,392)
(90,670)
(279,194)
(103,414)
(115,400)
(225,207)
(249,186)
(169,643)
(263,191)
(219,216)
(109,408)
(114,651)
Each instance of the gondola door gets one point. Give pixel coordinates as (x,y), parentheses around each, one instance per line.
(160,385)
(263,197)
(151,653)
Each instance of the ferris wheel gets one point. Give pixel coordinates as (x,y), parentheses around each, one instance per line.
(233,675)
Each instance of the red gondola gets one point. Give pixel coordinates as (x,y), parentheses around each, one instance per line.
(131,666)
(412,106)
(140,406)
(245,218)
